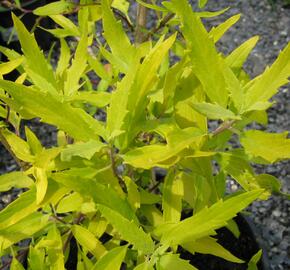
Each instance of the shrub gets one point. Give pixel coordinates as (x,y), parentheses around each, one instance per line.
(100,185)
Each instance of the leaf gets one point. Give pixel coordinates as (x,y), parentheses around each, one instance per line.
(29,102)
(266,85)
(63,61)
(128,230)
(172,262)
(85,150)
(214,111)
(252,265)
(88,241)
(16,265)
(122,5)
(133,193)
(98,68)
(36,258)
(218,31)
(206,221)
(16,180)
(58,7)
(98,99)
(66,24)
(7,67)
(237,57)
(202,3)
(269,146)
(19,147)
(70,203)
(77,68)
(33,142)
(41,184)
(203,54)
(55,252)
(115,35)
(209,245)
(23,229)
(172,197)
(150,156)
(112,260)
(34,57)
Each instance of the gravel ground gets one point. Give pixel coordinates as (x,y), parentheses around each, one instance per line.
(273,26)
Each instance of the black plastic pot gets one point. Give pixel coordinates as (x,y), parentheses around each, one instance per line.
(248,244)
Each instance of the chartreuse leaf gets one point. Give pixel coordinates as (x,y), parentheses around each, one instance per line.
(122,5)
(172,197)
(209,245)
(88,241)
(237,57)
(36,258)
(34,57)
(7,67)
(66,24)
(133,193)
(203,54)
(41,184)
(31,103)
(26,204)
(202,3)
(85,150)
(150,156)
(77,68)
(14,179)
(33,142)
(98,99)
(70,203)
(101,194)
(172,262)
(214,111)
(58,7)
(112,260)
(63,61)
(218,31)
(266,85)
(144,266)
(55,254)
(206,221)
(129,230)
(252,265)
(115,36)
(23,229)
(16,265)
(18,146)
(271,147)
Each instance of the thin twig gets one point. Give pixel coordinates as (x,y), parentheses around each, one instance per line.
(224,126)
(124,18)
(141,20)
(160,26)
(114,169)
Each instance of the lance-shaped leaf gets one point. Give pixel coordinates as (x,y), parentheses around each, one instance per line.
(98,99)
(34,57)
(238,56)
(31,103)
(101,194)
(16,265)
(77,68)
(55,254)
(206,221)
(85,150)
(112,260)
(209,245)
(207,63)
(172,262)
(269,146)
(7,67)
(36,259)
(172,197)
(214,111)
(58,7)
(63,61)
(150,156)
(115,35)
(23,229)
(266,85)
(129,230)
(14,179)
(88,241)
(218,31)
